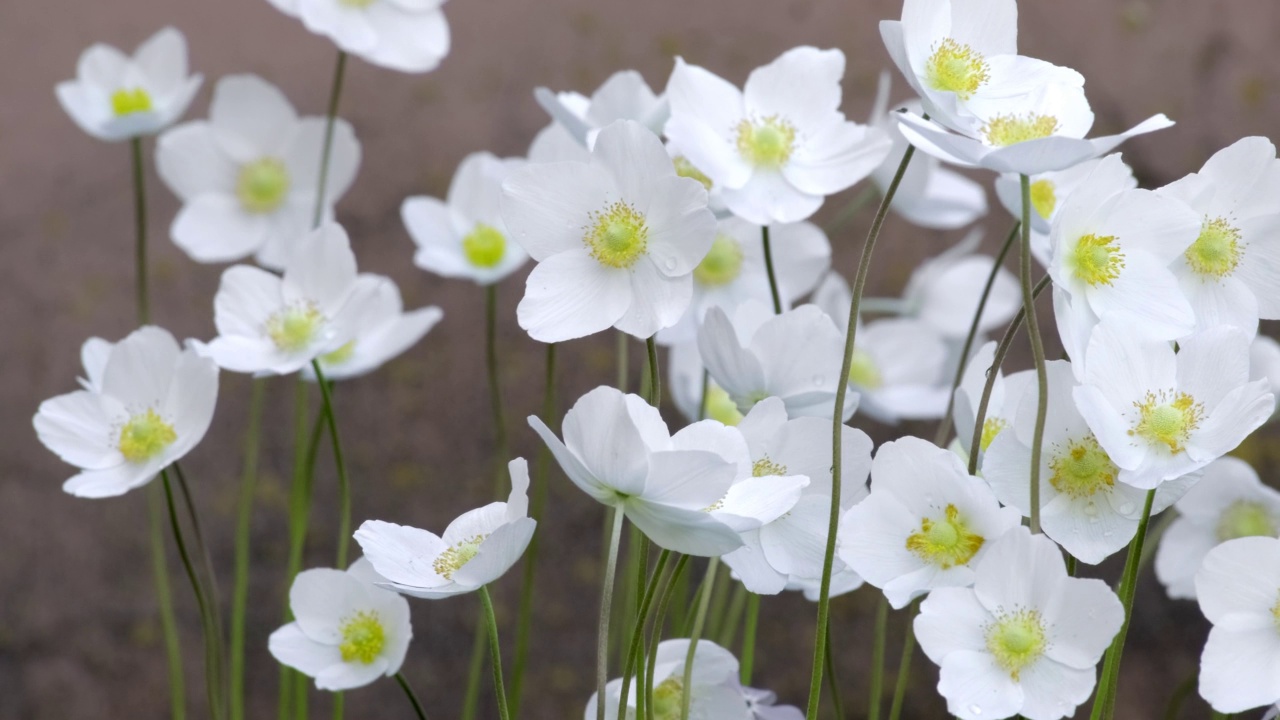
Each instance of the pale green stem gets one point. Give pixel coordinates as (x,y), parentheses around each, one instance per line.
(655,635)
(655,378)
(475,668)
(413,699)
(164,597)
(1037,354)
(768,266)
(240,591)
(305,447)
(326,150)
(833,680)
(344,484)
(635,654)
(704,601)
(904,665)
(495,652)
(211,591)
(749,639)
(877,657)
(606,609)
(727,632)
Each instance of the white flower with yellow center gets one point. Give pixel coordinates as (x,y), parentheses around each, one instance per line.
(347,631)
(116,97)
(477,548)
(248,175)
(1229,502)
(1161,415)
(714,692)
(464,236)
(1025,639)
(624,96)
(381,329)
(407,35)
(1002,408)
(616,239)
(145,404)
(1238,587)
(779,146)
(924,525)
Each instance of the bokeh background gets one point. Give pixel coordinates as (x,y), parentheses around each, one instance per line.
(79,635)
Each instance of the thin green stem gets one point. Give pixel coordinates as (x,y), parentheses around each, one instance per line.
(413,699)
(635,648)
(877,658)
(636,584)
(164,598)
(1180,694)
(1037,353)
(306,444)
(622,346)
(768,267)
(495,652)
(655,378)
(344,485)
(330,119)
(850,211)
(704,601)
(495,388)
(244,513)
(727,633)
(749,639)
(904,666)
(475,668)
(606,609)
(655,636)
(702,398)
(211,591)
(140,228)
(833,680)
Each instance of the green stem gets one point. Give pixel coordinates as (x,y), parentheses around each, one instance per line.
(211,591)
(636,646)
(904,666)
(495,388)
(768,267)
(495,652)
(1037,353)
(344,485)
(702,399)
(413,699)
(655,380)
(164,597)
(655,636)
(704,601)
(140,228)
(833,680)
(727,633)
(475,668)
(606,609)
(330,119)
(293,685)
(240,592)
(749,639)
(877,658)
(848,212)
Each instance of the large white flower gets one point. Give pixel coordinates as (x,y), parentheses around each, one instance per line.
(381,329)
(624,96)
(714,693)
(406,35)
(616,238)
(116,97)
(248,176)
(1239,589)
(779,146)
(464,236)
(145,404)
(348,632)
(1025,639)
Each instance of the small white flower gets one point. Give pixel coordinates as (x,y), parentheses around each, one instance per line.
(464,236)
(1002,408)
(248,175)
(714,693)
(145,404)
(348,632)
(624,96)
(1239,591)
(407,35)
(116,97)
(381,329)
(1025,639)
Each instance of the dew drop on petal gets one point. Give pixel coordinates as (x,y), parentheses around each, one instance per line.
(818,380)
(975,709)
(1126,508)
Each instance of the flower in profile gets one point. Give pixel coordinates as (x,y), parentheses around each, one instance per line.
(116,97)
(406,35)
(616,239)
(477,548)
(624,96)
(381,329)
(347,631)
(714,692)
(464,236)
(145,404)
(248,175)
(1025,639)
(1238,587)
(779,146)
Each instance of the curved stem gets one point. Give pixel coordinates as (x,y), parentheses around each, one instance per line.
(344,485)
(877,658)
(164,597)
(495,652)
(495,388)
(655,379)
(904,666)
(240,591)
(768,266)
(635,647)
(749,639)
(656,634)
(413,699)
(606,609)
(833,680)
(704,601)
(331,116)
(1037,354)
(211,592)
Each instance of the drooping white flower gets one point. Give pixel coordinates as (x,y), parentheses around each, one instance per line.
(616,239)
(381,329)
(1002,408)
(145,404)
(623,96)
(347,631)
(464,236)
(116,97)
(477,548)
(714,693)
(779,146)
(407,35)
(924,524)
(1025,639)
(1238,587)
(248,176)
(1229,502)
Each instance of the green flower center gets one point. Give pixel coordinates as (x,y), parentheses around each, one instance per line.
(766,143)
(363,638)
(1216,252)
(451,561)
(295,327)
(668,697)
(341,355)
(262,185)
(722,264)
(145,436)
(1006,130)
(484,246)
(863,371)
(618,236)
(1096,260)
(720,407)
(1044,197)
(945,542)
(1082,468)
(127,101)
(686,169)
(956,68)
(1245,519)
(1017,640)
(1168,419)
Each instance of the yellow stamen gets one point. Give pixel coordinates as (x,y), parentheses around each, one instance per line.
(341,355)
(127,101)
(1016,640)
(945,542)
(295,327)
(864,372)
(1044,197)
(1168,419)
(262,185)
(992,427)
(668,699)
(1082,468)
(451,561)
(957,68)
(363,638)
(764,467)
(721,265)
(1096,260)
(145,436)
(1216,252)
(684,168)
(1006,130)
(618,236)
(720,407)
(766,143)
(484,246)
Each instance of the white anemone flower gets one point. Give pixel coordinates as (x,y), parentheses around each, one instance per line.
(348,632)
(618,450)
(1230,502)
(945,290)
(616,239)
(116,97)
(1083,507)
(410,36)
(145,404)
(685,375)
(1002,408)
(1025,639)
(924,525)
(779,146)
(248,175)
(382,330)
(1160,415)
(1231,273)
(477,548)
(269,324)
(623,96)
(1238,587)
(714,693)
(464,236)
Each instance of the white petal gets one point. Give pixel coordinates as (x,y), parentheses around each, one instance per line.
(546,206)
(1239,670)
(291,647)
(976,688)
(250,117)
(657,301)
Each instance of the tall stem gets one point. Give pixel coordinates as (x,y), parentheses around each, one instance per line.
(495,652)
(833,679)
(344,485)
(877,658)
(606,609)
(635,647)
(655,636)
(413,699)
(655,378)
(240,591)
(1037,353)
(140,228)
(475,668)
(211,592)
(704,601)
(330,119)
(768,266)
(904,666)
(749,639)
(495,388)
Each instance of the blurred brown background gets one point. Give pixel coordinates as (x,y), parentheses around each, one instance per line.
(79,636)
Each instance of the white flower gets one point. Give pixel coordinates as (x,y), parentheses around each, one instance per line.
(115,97)
(1264,362)
(616,239)
(381,329)
(1239,589)
(248,175)
(348,632)
(145,405)
(714,693)
(624,96)
(685,375)
(1002,408)
(944,291)
(779,146)
(1159,415)
(477,548)
(1231,273)
(464,236)
(406,35)
(1025,639)
(618,450)
(762,706)
(1229,502)
(924,525)
(275,325)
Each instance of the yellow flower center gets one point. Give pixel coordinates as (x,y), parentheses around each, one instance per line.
(686,169)
(127,101)
(1216,253)
(341,355)
(956,68)
(1096,260)
(1044,197)
(721,265)
(720,407)
(863,371)
(295,327)
(1006,130)
(1016,640)
(618,236)
(668,697)
(262,185)
(1082,468)
(484,246)
(363,638)
(1245,519)
(1168,420)
(145,436)
(451,561)
(991,427)
(766,143)
(765,467)
(945,542)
